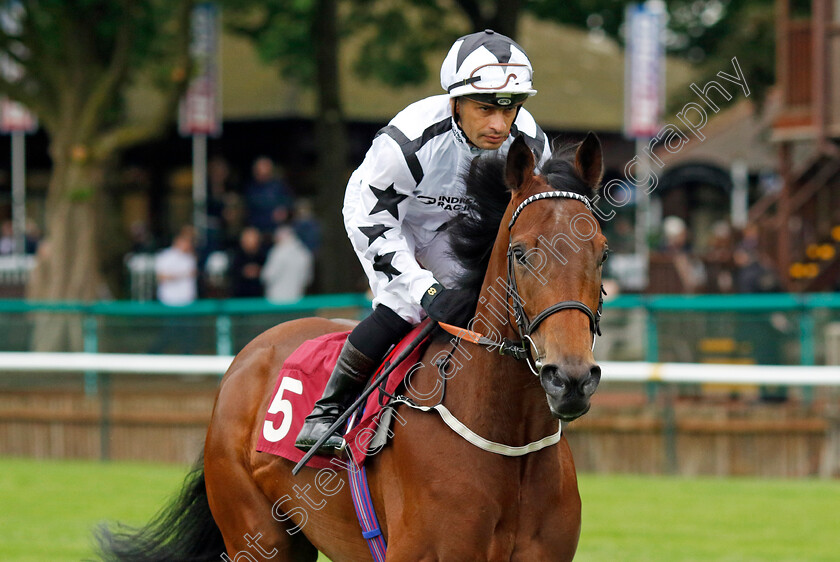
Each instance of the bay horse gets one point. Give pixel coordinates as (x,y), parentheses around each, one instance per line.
(437,496)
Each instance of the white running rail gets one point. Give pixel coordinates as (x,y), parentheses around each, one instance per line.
(629,371)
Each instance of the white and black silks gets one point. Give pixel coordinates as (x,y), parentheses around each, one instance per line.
(406,190)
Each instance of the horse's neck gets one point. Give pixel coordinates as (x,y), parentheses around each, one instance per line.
(496,395)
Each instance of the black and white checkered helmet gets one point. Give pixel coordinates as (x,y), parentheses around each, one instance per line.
(487,63)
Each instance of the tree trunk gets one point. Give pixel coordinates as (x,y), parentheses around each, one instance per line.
(67,266)
(331,137)
(501,16)
(506,18)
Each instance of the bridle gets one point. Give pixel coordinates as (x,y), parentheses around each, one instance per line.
(526,326)
(518,350)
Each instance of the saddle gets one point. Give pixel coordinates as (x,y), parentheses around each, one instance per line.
(301,382)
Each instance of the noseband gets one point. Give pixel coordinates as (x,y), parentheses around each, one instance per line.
(525,326)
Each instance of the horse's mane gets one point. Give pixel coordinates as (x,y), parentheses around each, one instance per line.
(474,232)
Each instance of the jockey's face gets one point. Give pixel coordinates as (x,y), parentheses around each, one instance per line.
(486,125)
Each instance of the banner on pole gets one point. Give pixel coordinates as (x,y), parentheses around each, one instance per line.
(200,109)
(644,76)
(14,116)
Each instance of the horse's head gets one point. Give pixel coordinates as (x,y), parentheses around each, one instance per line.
(555,252)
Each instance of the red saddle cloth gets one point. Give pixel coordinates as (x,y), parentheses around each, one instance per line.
(301,382)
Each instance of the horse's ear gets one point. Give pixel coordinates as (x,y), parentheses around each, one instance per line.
(589,161)
(520,164)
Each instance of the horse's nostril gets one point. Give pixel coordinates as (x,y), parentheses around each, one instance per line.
(589,383)
(553,379)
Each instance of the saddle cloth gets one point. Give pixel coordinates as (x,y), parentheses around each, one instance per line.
(301,382)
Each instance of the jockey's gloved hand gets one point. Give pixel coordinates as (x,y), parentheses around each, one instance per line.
(450,306)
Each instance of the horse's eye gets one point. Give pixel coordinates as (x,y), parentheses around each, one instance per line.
(519,255)
(605,256)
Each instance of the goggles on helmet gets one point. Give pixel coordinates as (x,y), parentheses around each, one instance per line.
(486,63)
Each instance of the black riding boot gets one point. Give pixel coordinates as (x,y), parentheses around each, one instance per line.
(349,376)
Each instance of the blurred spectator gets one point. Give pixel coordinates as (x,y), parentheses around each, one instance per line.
(690,270)
(220,184)
(32,236)
(307,227)
(247,263)
(7,238)
(753,274)
(288,268)
(176,270)
(8,244)
(268,198)
(718,259)
(623,237)
(233,220)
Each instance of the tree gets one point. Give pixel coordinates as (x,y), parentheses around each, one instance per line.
(76,61)
(706,32)
(302,38)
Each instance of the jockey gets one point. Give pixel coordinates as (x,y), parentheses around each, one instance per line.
(400,200)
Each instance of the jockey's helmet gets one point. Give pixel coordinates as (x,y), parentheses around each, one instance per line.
(487,67)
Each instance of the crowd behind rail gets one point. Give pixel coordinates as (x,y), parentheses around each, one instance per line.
(730,262)
(262,240)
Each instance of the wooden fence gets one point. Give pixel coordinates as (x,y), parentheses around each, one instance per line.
(165,420)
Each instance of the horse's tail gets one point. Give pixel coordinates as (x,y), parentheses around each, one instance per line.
(183,531)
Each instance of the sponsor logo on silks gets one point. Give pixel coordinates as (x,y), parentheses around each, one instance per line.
(447,202)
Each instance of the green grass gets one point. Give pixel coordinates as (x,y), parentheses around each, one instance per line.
(49,507)
(630,518)
(47,511)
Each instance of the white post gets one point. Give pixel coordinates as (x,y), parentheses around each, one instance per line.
(642,203)
(19,190)
(200,187)
(740,194)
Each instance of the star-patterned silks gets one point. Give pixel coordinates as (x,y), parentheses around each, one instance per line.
(374,232)
(383,264)
(387,200)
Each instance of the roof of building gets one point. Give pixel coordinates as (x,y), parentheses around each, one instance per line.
(736,134)
(579,75)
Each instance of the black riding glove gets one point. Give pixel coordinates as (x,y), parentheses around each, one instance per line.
(450,306)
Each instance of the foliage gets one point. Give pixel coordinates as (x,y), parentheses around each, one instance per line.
(393,36)
(72,61)
(706,32)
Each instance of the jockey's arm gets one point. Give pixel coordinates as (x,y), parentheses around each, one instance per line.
(379,195)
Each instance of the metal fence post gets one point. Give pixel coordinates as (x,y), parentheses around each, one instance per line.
(224,336)
(807,354)
(651,347)
(90,336)
(98,382)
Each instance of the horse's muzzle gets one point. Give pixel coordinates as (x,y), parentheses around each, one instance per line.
(569,388)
